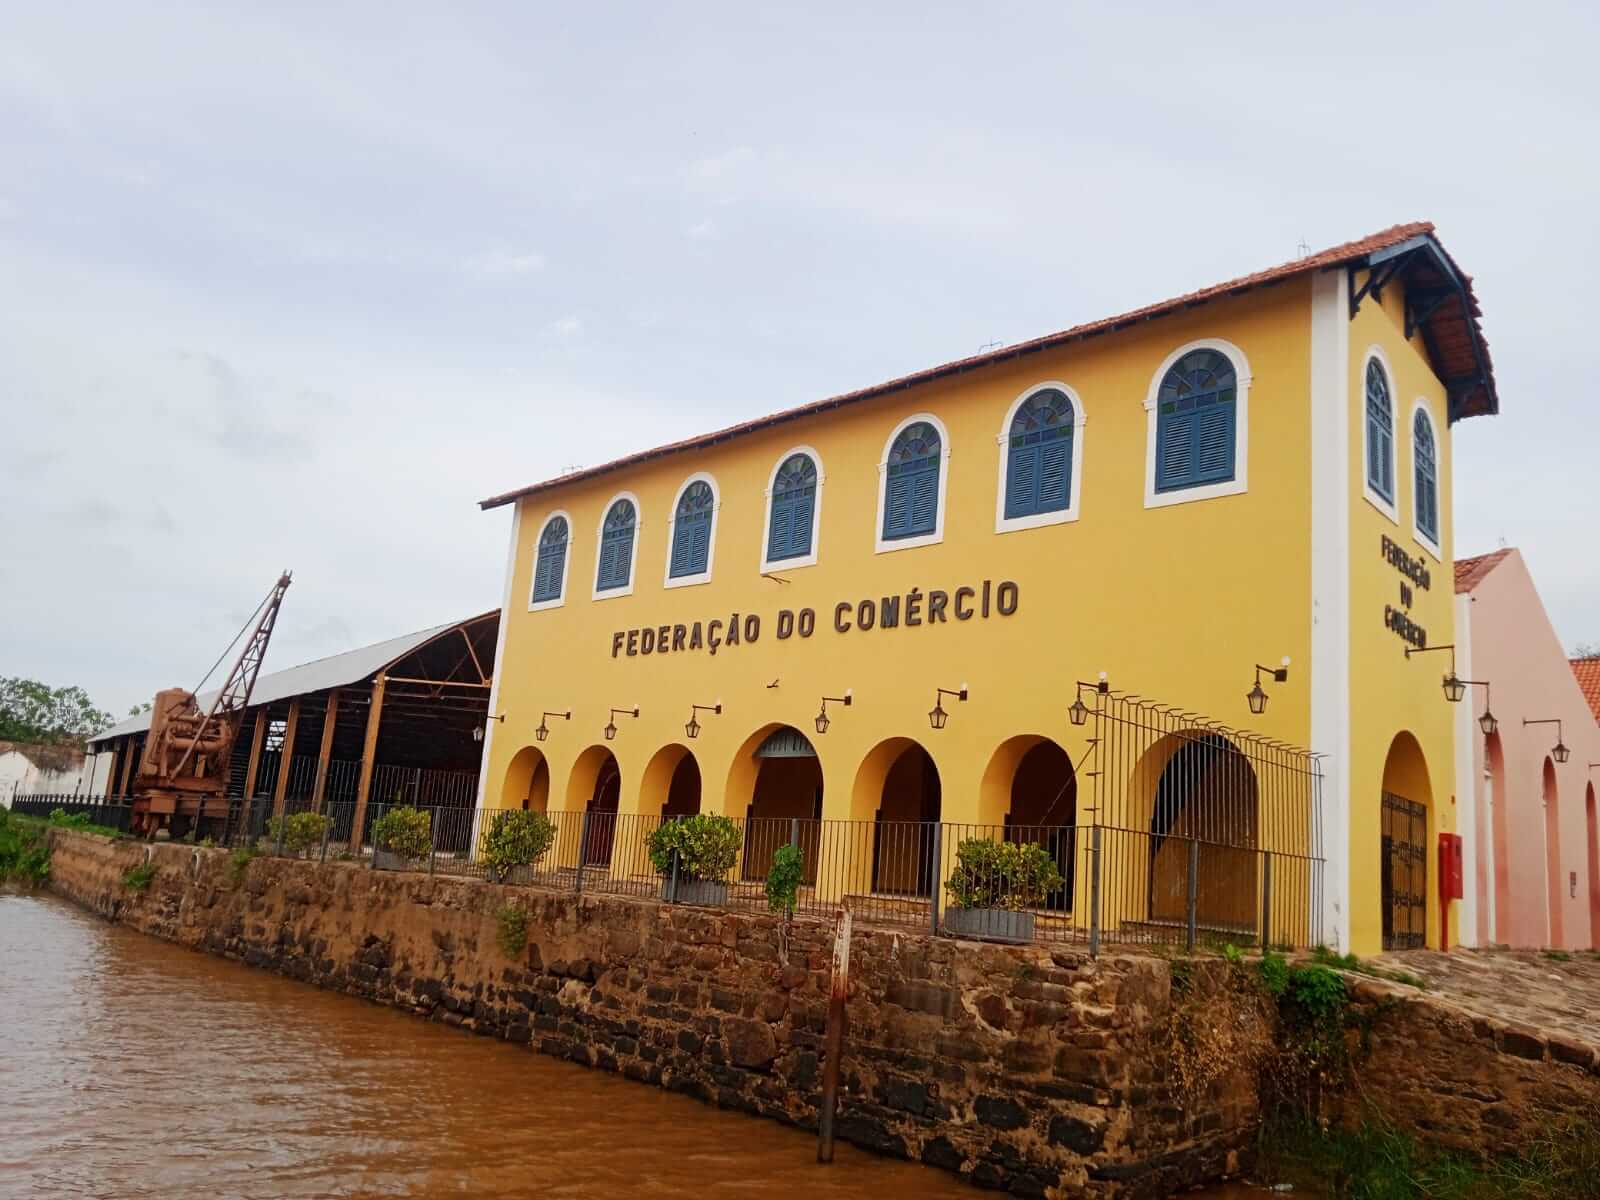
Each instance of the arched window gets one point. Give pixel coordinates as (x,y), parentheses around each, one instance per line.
(1425,466)
(1196,422)
(911,483)
(616,547)
(1039,455)
(1380,432)
(691,531)
(794,507)
(550,561)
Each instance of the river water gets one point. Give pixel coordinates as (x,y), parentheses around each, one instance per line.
(132,1068)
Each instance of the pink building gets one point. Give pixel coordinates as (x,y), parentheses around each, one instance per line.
(1529,819)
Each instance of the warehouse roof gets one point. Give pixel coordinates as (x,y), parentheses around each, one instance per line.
(1446,314)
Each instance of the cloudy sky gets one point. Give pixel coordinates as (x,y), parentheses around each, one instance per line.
(295,285)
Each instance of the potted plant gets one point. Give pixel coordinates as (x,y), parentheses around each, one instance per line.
(297,833)
(400,837)
(514,841)
(993,887)
(705,848)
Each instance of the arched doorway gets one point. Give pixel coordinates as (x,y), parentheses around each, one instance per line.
(670,786)
(1552,850)
(1403,868)
(1592,828)
(596,789)
(1029,793)
(909,804)
(1495,769)
(527,783)
(1205,811)
(778,769)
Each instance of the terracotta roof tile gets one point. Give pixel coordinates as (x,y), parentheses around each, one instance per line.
(1456,347)
(1588,672)
(1470,571)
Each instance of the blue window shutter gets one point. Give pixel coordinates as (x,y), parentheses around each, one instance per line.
(925,499)
(911,482)
(1175,450)
(547,576)
(1022,481)
(801,509)
(1214,442)
(897,507)
(1055,475)
(616,551)
(781,535)
(1196,421)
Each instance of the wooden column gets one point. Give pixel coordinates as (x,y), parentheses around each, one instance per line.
(256,740)
(286,758)
(128,756)
(111,772)
(325,751)
(369,752)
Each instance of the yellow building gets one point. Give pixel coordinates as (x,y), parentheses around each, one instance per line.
(1173,497)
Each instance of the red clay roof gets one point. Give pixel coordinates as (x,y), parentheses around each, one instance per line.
(1457,344)
(1470,571)
(1588,672)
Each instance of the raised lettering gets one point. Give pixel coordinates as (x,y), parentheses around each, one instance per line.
(633,642)
(888,612)
(841,616)
(914,607)
(964,597)
(1005,598)
(694,636)
(733,631)
(616,643)
(808,622)
(752,627)
(713,636)
(937,602)
(866,614)
(661,639)
(677,636)
(647,641)
(785,623)
(984,609)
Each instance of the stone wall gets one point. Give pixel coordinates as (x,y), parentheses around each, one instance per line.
(1020,1067)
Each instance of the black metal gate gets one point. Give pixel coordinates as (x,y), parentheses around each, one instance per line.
(1405,873)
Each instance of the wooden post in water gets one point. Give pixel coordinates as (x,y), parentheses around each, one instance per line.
(833,1039)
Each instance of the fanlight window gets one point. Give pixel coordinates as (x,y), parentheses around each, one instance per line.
(1427,472)
(794,505)
(616,546)
(550,561)
(1039,455)
(691,531)
(1380,432)
(1196,410)
(911,485)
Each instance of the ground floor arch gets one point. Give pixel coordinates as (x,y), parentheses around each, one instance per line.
(527,781)
(1499,835)
(1407,804)
(775,783)
(670,785)
(595,788)
(1592,847)
(1029,793)
(898,786)
(1550,792)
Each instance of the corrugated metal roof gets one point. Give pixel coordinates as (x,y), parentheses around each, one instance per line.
(337,670)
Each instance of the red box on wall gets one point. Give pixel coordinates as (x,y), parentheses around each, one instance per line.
(1450,869)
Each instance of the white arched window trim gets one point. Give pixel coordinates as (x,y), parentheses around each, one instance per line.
(769,566)
(1003,524)
(881,545)
(672,531)
(566,562)
(1240,483)
(1389,508)
(1417,532)
(633,552)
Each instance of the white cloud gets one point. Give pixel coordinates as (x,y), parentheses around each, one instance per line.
(502,263)
(566,327)
(702,231)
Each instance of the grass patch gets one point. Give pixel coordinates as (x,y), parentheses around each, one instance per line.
(1377,1162)
(1325,957)
(239,862)
(137,879)
(24,851)
(511,931)
(1557,955)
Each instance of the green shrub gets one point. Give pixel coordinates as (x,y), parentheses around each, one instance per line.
(783,880)
(516,839)
(137,879)
(405,831)
(239,862)
(64,820)
(991,874)
(707,847)
(24,852)
(298,831)
(511,931)
(1274,970)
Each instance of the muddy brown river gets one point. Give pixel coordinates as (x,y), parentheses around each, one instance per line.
(133,1068)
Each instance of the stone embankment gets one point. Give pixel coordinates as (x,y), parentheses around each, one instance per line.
(1036,1070)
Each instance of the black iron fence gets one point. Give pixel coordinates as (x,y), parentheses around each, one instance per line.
(111,812)
(1092,885)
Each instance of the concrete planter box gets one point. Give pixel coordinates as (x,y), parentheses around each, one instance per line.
(712,893)
(989,924)
(520,876)
(388,860)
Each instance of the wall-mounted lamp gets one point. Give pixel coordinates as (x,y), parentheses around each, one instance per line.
(1255,697)
(822,713)
(937,715)
(1079,712)
(693,727)
(611,725)
(1454,686)
(1486,721)
(543,731)
(477,730)
(1559,751)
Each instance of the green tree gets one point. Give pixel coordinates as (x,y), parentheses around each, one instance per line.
(31,711)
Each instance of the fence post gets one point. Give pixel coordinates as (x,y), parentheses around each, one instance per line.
(1094,891)
(282,819)
(1266,900)
(794,831)
(1192,905)
(583,851)
(377,814)
(933,895)
(433,836)
(672,881)
(327,825)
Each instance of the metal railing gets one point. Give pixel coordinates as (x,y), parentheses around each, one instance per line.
(111,812)
(1090,885)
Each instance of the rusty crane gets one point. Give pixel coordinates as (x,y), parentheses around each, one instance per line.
(183,772)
